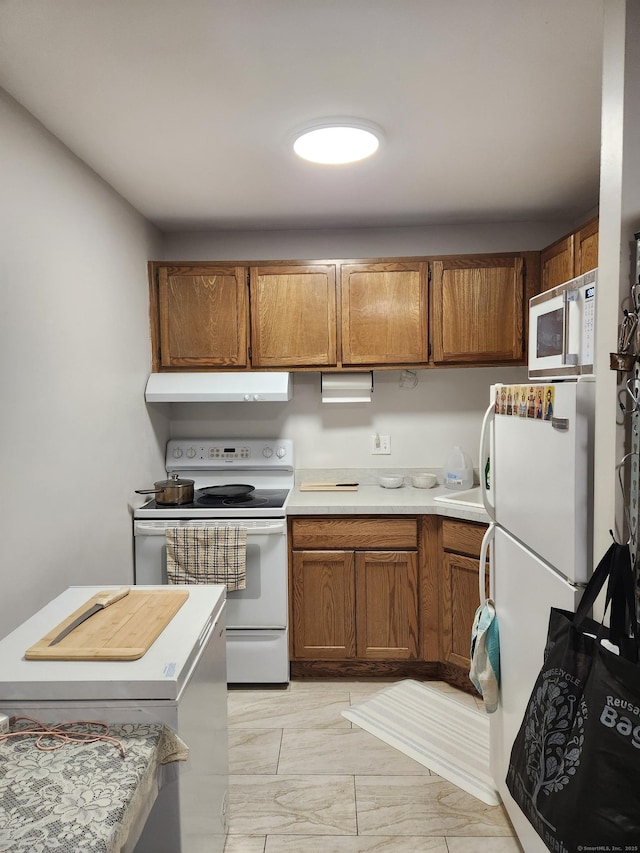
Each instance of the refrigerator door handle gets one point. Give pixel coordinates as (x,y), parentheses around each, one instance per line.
(487,539)
(485,453)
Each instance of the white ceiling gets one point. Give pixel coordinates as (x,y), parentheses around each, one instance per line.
(491,108)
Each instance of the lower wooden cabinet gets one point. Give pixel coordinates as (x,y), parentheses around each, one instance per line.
(459,588)
(384,595)
(324,596)
(354,589)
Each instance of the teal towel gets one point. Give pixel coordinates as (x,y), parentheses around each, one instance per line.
(485,655)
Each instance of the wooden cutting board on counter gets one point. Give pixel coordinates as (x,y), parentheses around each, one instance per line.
(123,631)
(329,487)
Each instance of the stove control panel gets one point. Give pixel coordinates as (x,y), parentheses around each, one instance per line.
(217,453)
(229,453)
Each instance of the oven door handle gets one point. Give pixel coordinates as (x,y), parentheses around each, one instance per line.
(159,528)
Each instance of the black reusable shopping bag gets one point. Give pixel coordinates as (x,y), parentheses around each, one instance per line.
(575,763)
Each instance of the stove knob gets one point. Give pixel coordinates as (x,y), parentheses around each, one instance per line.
(177,453)
(281,452)
(248,397)
(267,452)
(191,452)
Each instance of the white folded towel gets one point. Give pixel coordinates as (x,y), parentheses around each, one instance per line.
(207,555)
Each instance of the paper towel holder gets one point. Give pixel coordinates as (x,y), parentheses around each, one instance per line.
(346,387)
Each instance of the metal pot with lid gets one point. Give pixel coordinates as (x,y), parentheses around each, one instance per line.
(171,492)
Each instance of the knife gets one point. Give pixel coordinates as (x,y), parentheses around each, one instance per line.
(101,602)
(328,487)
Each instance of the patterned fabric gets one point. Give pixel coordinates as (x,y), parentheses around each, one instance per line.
(84,797)
(207,555)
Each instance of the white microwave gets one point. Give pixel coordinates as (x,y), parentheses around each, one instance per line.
(562,329)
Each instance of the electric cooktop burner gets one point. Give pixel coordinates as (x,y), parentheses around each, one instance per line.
(273,498)
(240,500)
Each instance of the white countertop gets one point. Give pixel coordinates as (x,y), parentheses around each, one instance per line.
(159,675)
(372,499)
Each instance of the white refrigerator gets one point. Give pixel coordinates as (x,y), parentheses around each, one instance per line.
(540,541)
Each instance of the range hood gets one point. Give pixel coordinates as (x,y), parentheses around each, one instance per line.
(218,387)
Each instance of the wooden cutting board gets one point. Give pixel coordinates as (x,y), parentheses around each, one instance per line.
(123,631)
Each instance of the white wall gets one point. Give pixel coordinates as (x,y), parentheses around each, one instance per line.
(446,407)
(363,242)
(74,357)
(620,219)
(425,422)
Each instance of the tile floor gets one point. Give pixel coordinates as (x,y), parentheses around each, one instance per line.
(305,780)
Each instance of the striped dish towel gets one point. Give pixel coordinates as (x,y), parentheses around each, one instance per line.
(207,555)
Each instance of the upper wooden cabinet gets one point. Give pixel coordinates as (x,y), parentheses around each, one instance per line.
(340,314)
(585,247)
(293,315)
(556,263)
(572,255)
(477,310)
(200,318)
(384,313)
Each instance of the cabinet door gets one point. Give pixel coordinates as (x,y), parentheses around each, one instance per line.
(384,313)
(477,308)
(323,605)
(387,605)
(460,600)
(557,263)
(202,317)
(586,247)
(293,315)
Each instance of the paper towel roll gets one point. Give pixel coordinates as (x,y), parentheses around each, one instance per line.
(347,387)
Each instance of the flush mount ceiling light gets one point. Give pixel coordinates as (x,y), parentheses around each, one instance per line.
(335,141)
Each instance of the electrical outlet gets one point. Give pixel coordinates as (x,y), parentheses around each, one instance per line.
(381,444)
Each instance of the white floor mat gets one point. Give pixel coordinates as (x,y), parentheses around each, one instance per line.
(435,729)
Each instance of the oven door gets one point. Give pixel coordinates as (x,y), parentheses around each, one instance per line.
(263,603)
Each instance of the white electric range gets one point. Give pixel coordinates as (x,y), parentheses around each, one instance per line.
(257,616)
